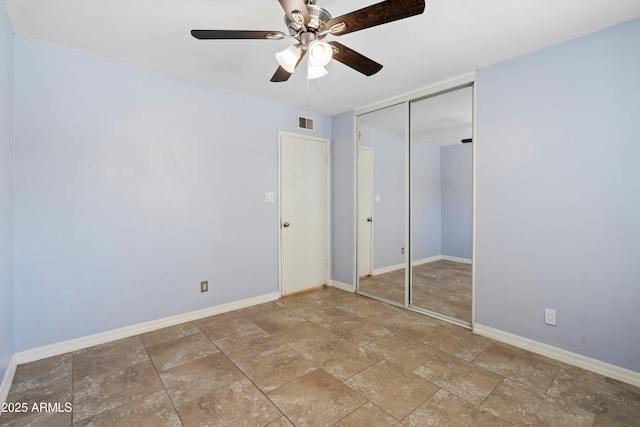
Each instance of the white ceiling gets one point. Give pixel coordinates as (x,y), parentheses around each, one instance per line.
(452,37)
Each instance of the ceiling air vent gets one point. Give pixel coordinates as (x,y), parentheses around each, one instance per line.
(306,123)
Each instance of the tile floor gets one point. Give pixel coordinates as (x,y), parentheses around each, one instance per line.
(323,358)
(441,286)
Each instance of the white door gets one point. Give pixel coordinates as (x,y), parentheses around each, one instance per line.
(304,216)
(365,211)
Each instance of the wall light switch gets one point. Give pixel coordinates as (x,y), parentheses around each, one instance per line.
(269,197)
(377,198)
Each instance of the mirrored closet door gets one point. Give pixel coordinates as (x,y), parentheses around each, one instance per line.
(414,204)
(381,206)
(441,203)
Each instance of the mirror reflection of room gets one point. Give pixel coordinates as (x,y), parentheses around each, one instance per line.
(441,204)
(382,203)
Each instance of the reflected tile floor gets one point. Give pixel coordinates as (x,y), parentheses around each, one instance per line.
(441,286)
(322,358)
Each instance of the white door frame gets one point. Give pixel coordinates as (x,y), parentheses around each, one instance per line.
(328,199)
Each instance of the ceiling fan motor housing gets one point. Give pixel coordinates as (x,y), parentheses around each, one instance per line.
(318,18)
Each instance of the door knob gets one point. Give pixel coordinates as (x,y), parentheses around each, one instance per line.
(369,219)
(285,224)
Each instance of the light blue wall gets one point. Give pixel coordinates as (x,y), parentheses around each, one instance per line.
(457,199)
(342,202)
(558,195)
(426,209)
(389,215)
(131,188)
(6,191)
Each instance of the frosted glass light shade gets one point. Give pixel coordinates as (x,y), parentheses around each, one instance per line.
(320,53)
(288,58)
(315,72)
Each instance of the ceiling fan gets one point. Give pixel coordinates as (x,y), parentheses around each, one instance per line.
(308,24)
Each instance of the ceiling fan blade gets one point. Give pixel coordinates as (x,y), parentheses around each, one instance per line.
(296,10)
(236,34)
(353,59)
(282,75)
(377,14)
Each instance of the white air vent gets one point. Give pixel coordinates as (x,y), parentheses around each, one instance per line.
(306,123)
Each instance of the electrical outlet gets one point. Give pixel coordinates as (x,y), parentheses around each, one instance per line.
(402,251)
(550,317)
(204,286)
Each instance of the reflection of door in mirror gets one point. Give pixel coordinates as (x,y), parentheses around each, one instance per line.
(441,204)
(382,134)
(365,211)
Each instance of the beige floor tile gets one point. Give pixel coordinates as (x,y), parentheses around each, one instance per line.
(466,380)
(247,344)
(522,405)
(457,341)
(256,310)
(411,325)
(152,410)
(108,357)
(36,419)
(370,309)
(41,373)
(278,320)
(273,368)
(368,415)
(306,337)
(358,330)
(182,350)
(221,326)
(199,377)
(21,399)
(300,303)
(342,358)
(281,422)
(316,399)
(391,388)
(612,402)
(327,315)
(169,334)
(238,404)
(444,409)
(402,351)
(95,394)
(520,366)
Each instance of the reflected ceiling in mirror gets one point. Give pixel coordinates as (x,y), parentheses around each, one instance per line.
(444,119)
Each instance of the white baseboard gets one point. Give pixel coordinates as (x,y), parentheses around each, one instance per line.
(456,259)
(387,269)
(426,260)
(395,267)
(8,379)
(343,286)
(140,328)
(593,365)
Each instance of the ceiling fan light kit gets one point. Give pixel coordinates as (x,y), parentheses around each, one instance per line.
(308,24)
(315,72)
(288,58)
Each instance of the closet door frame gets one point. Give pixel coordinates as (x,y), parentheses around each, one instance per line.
(468,80)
